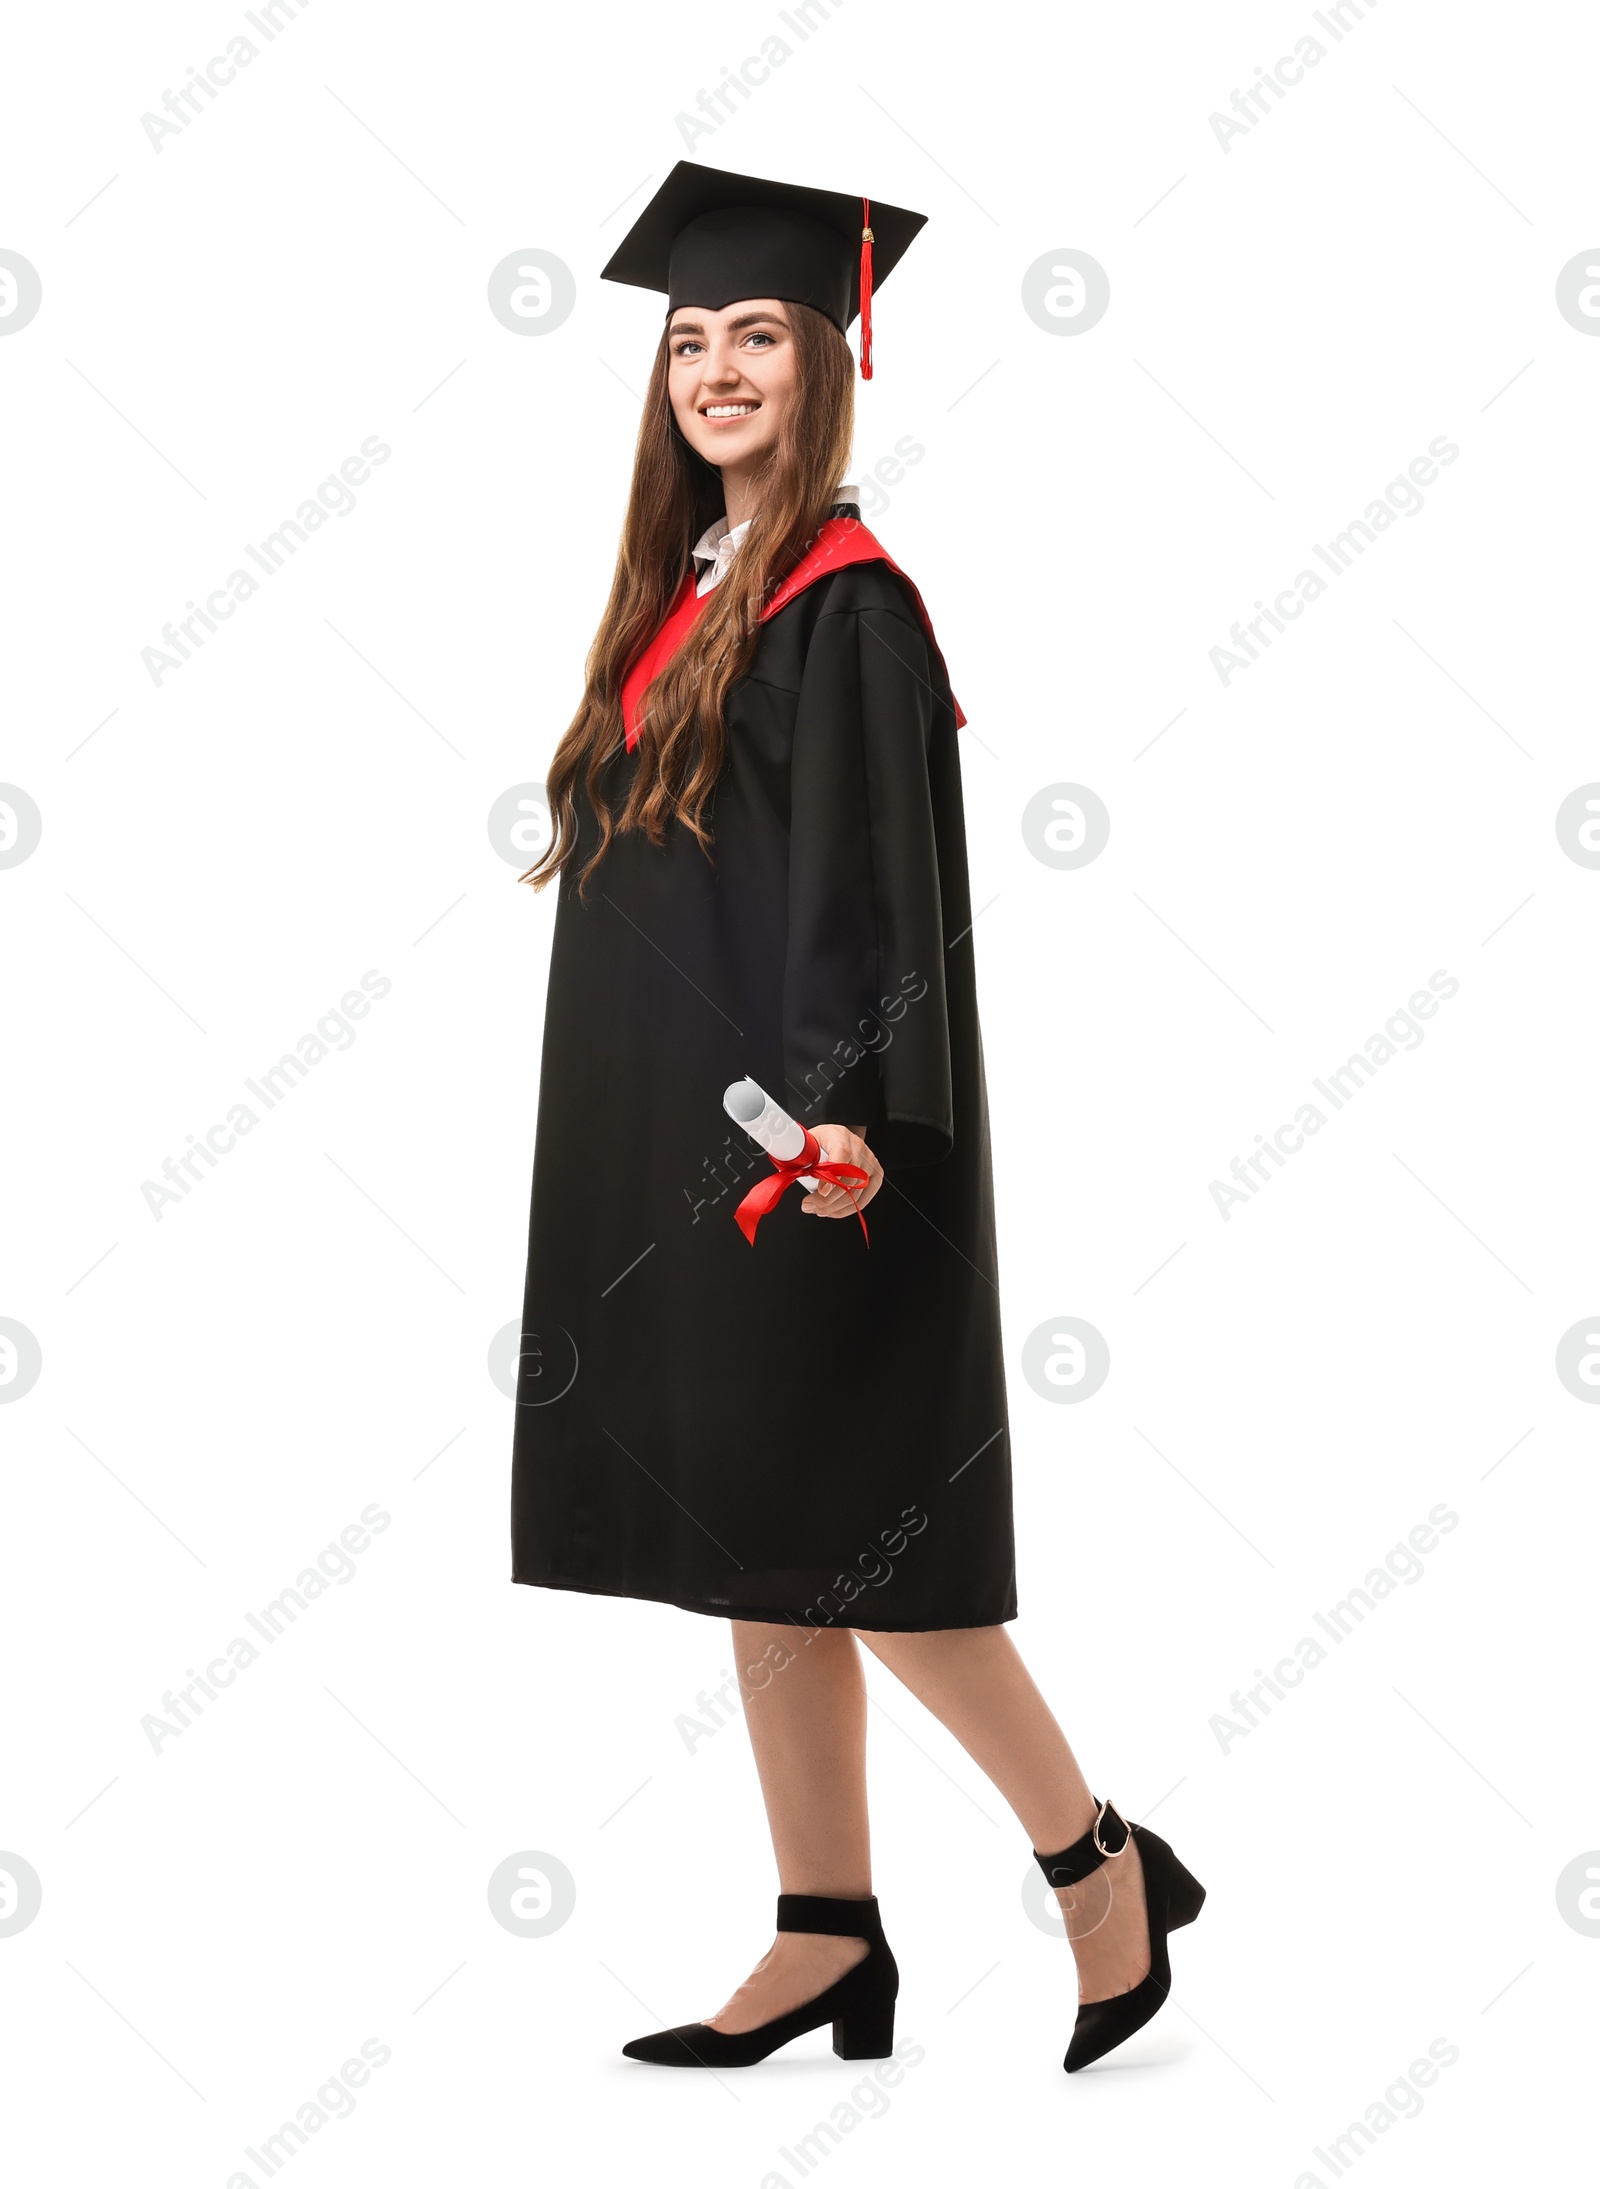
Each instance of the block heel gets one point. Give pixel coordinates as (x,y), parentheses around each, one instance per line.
(868,2034)
(1186,1898)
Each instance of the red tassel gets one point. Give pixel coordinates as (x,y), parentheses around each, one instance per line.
(866,288)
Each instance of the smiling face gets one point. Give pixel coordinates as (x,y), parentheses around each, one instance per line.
(731,376)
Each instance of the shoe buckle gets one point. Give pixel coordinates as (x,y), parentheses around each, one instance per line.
(1094,1833)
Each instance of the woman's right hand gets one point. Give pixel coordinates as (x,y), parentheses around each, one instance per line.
(840,1145)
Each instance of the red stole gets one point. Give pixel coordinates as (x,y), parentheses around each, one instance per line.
(840,542)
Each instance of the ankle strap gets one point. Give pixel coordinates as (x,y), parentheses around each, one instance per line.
(1108,1835)
(829,1918)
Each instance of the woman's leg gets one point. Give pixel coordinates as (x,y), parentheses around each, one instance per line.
(976,1685)
(805,1703)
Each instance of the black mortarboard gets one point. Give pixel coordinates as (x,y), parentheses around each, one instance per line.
(711,238)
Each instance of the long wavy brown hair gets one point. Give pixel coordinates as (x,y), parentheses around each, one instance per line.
(683,739)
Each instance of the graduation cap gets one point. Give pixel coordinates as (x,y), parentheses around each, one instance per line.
(712,239)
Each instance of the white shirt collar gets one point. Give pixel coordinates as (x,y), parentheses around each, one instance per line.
(716,548)
(718,544)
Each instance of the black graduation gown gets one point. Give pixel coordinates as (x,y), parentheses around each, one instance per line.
(809,1429)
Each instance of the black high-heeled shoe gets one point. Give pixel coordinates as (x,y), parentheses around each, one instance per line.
(860,2005)
(1172,1898)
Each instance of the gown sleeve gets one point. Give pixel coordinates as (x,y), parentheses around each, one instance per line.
(866,1023)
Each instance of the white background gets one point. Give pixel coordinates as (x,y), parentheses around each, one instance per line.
(305,1333)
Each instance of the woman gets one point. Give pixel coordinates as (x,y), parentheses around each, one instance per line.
(759,839)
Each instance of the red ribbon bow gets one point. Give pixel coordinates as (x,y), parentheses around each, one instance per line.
(766,1193)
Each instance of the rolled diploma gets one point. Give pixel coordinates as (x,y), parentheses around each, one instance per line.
(769,1126)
